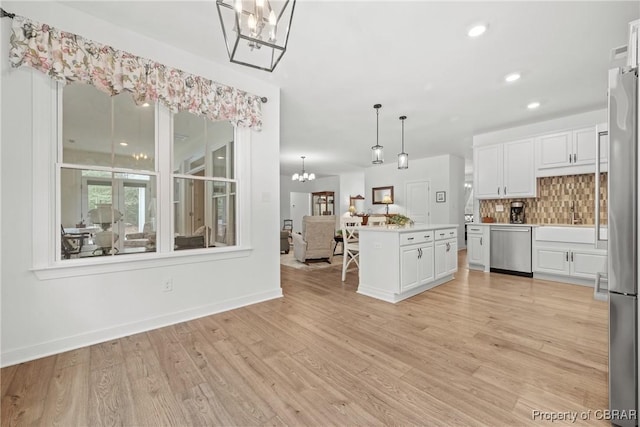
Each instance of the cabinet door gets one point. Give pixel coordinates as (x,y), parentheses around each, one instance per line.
(440,259)
(519,169)
(584,146)
(586,264)
(488,172)
(452,256)
(551,260)
(554,150)
(474,249)
(409,267)
(425,267)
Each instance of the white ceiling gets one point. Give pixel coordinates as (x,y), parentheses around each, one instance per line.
(415,59)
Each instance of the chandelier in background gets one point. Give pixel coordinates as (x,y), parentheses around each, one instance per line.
(303,176)
(256,32)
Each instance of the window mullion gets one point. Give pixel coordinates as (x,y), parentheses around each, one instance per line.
(164,156)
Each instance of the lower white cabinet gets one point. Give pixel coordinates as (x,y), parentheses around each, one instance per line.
(478,249)
(446,256)
(569,261)
(416,265)
(396,264)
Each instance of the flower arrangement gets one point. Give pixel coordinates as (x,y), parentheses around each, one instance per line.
(399,220)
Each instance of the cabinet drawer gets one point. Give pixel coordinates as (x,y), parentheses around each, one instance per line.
(446,233)
(416,237)
(474,230)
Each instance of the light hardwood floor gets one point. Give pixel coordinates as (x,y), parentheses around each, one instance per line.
(485,349)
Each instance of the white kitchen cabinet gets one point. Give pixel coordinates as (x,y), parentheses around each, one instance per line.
(416,265)
(567,254)
(569,152)
(478,250)
(505,170)
(396,264)
(446,253)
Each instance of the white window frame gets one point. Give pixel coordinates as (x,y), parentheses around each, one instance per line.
(47,129)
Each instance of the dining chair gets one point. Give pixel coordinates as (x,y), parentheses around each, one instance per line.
(377,220)
(351,247)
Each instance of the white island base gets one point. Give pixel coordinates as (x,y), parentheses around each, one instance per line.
(396,264)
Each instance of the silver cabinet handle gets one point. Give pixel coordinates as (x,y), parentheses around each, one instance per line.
(410,238)
(498,191)
(419,253)
(566,256)
(571,256)
(505,191)
(569,157)
(442,234)
(448,247)
(481,241)
(575,157)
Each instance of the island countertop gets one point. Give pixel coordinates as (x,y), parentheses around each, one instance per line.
(405,229)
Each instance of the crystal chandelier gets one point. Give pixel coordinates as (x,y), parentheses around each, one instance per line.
(303,176)
(377,155)
(256,32)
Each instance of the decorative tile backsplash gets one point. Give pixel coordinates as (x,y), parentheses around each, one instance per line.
(553,204)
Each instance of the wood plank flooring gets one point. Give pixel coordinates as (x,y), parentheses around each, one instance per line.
(484,349)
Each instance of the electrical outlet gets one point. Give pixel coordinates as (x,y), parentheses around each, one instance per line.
(499,208)
(167,285)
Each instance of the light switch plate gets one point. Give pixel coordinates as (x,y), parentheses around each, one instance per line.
(499,208)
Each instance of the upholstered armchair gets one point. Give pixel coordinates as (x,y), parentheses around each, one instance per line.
(316,240)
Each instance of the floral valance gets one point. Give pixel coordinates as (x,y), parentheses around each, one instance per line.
(67,58)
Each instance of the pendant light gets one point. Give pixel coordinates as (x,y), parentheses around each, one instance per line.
(377,155)
(403,158)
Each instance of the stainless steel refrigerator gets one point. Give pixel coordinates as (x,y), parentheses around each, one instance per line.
(622,245)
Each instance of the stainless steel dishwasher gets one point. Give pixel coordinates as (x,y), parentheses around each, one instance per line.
(511,250)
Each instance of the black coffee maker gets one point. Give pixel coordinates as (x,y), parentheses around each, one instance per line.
(516,216)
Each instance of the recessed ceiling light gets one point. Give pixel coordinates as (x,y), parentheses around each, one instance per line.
(477,30)
(146,104)
(124,143)
(510,78)
(533,105)
(220,157)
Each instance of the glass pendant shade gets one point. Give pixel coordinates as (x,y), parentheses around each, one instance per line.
(377,151)
(403,161)
(403,158)
(377,154)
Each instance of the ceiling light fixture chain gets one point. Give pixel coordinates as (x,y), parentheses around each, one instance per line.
(377,152)
(303,176)
(256,32)
(403,158)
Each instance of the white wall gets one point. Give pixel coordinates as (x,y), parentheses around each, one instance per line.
(351,185)
(41,317)
(443,172)
(456,195)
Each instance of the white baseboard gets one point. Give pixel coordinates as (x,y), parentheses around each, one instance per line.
(24,354)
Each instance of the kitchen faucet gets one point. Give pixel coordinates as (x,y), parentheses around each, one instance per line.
(574,220)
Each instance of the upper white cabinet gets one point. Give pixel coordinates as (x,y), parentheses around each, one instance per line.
(505,170)
(569,152)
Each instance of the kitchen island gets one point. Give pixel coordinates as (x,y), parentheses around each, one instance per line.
(398,263)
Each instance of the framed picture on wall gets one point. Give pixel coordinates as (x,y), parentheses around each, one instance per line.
(441,196)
